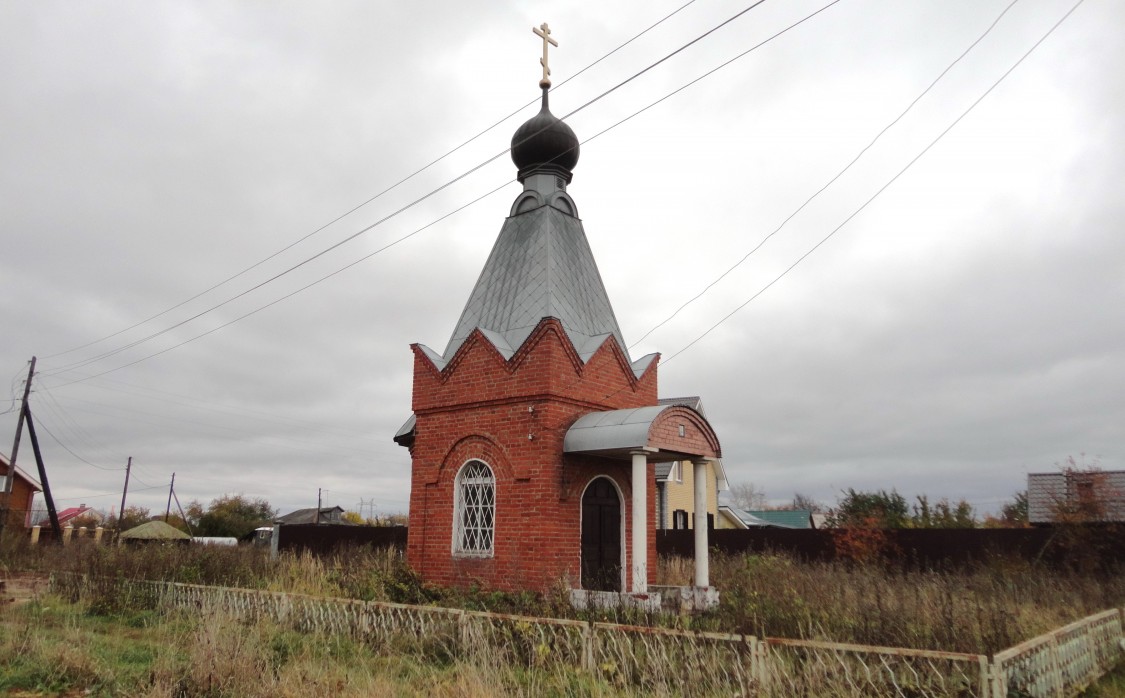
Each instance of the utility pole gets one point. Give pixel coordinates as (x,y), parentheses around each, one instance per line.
(317,519)
(171,487)
(10,477)
(54,516)
(184,517)
(121,514)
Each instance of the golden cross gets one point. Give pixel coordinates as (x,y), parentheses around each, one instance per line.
(543,32)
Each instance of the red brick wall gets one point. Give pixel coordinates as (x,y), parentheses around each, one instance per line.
(483,407)
(698,436)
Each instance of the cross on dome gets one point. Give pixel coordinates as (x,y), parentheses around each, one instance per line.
(544,32)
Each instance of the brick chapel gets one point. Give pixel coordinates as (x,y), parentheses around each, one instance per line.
(535,436)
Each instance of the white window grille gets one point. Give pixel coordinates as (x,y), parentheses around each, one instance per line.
(474,514)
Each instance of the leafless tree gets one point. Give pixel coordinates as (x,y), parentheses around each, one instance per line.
(747,496)
(804,502)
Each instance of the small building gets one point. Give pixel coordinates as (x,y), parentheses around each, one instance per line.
(68,515)
(535,436)
(327,515)
(154,532)
(24,488)
(1076,496)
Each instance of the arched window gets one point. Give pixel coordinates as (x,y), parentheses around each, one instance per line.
(474,510)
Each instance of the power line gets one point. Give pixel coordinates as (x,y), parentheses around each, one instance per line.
(194,403)
(14,392)
(447,215)
(68,450)
(288,295)
(875,195)
(63,425)
(56,408)
(371,199)
(134,476)
(107,494)
(408,206)
(220,431)
(882,188)
(701,77)
(831,181)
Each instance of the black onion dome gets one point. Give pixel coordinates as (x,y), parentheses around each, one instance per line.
(545,143)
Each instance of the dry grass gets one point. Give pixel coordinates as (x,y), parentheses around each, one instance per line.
(980,610)
(52,647)
(111,644)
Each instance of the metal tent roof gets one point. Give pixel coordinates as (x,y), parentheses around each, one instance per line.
(541,266)
(155,530)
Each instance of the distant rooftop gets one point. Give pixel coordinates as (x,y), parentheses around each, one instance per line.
(771,518)
(308,516)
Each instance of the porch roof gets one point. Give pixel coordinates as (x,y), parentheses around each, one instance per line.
(619,433)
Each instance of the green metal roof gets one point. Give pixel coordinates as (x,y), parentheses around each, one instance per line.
(790,518)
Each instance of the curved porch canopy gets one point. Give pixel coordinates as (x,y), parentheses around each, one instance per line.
(643,435)
(663,432)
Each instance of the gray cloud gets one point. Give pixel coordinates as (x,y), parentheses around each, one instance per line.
(963,330)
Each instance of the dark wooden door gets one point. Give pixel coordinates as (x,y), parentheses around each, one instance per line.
(601,537)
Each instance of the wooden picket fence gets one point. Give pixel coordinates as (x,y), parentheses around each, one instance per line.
(1060,663)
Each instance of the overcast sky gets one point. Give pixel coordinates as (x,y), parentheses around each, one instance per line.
(965,328)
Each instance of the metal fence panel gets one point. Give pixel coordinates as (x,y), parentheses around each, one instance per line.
(1062,662)
(665,661)
(809,668)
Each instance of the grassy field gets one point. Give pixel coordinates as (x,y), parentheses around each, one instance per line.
(51,646)
(1112,685)
(982,610)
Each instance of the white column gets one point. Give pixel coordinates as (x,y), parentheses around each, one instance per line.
(640,522)
(702,567)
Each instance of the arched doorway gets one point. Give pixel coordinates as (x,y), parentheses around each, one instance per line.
(601,536)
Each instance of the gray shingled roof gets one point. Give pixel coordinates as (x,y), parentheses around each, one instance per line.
(541,266)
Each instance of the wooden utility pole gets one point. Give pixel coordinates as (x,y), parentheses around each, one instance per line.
(171,487)
(184,516)
(121,514)
(10,477)
(317,519)
(54,516)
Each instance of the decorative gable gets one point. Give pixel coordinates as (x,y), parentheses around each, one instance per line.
(546,364)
